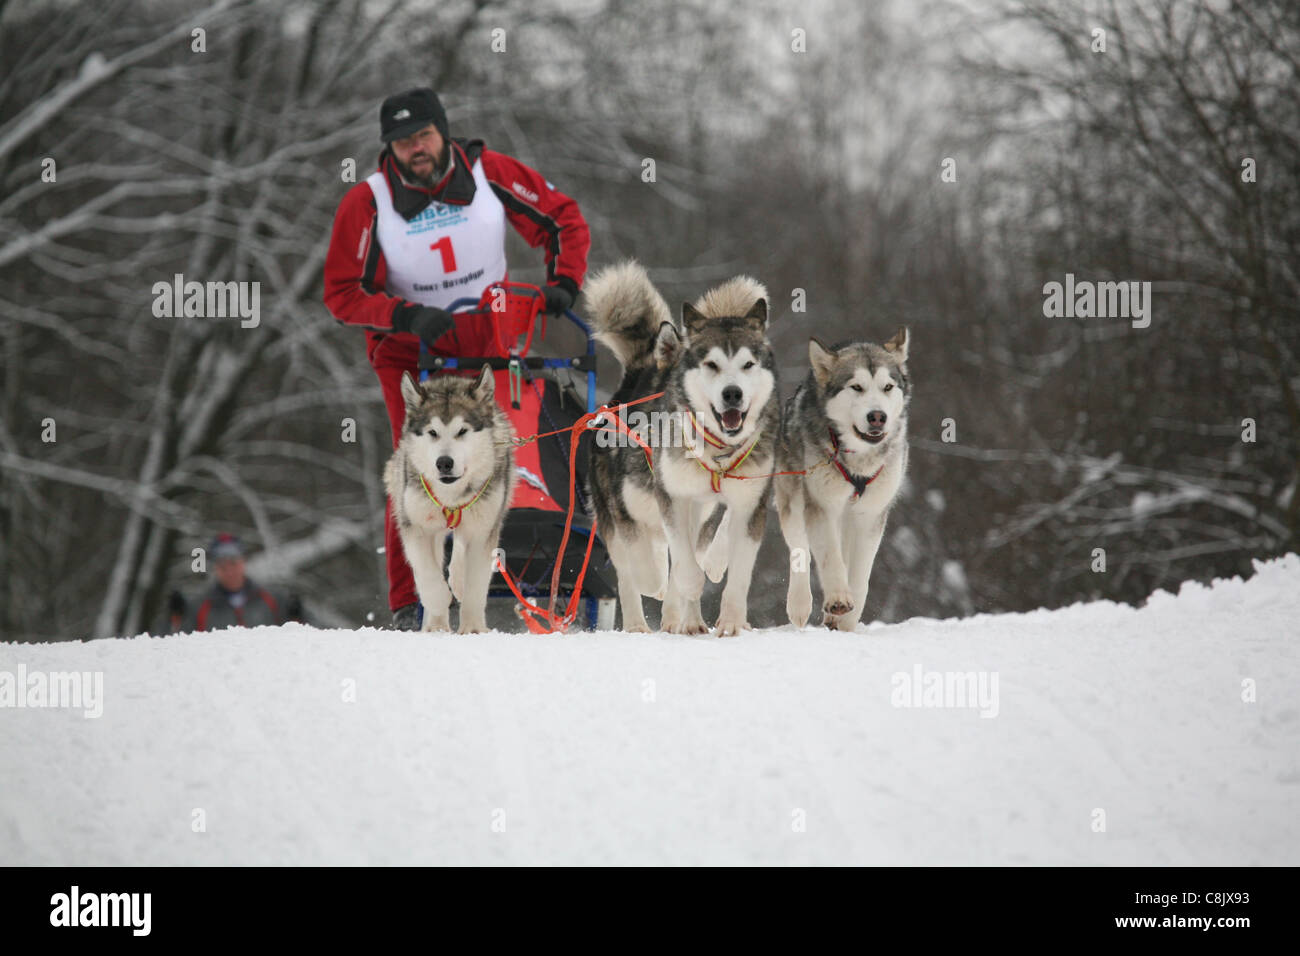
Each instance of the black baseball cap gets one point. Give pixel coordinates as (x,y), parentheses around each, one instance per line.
(405,113)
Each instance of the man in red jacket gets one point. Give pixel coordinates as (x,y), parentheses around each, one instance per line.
(428,228)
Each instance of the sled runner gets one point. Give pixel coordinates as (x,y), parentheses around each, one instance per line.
(539,397)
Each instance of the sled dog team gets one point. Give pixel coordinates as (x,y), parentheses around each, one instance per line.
(698,509)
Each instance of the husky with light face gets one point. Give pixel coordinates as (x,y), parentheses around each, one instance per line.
(846,426)
(452,473)
(722,420)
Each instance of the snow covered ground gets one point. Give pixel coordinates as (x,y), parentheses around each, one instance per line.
(246,747)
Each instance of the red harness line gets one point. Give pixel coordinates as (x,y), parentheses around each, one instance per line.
(859,482)
(544,620)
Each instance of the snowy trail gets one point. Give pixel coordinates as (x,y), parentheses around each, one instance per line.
(776,747)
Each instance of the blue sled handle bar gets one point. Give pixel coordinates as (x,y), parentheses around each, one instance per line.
(468,305)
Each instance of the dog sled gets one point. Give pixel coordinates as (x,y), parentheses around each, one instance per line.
(540,394)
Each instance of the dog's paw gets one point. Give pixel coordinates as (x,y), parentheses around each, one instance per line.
(472,627)
(715,569)
(653,582)
(685,624)
(837,602)
(436,623)
(840,622)
(712,558)
(798,608)
(730,627)
(714,563)
(456,578)
(638,628)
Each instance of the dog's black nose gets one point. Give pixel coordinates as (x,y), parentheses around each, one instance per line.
(876,419)
(445,464)
(732,396)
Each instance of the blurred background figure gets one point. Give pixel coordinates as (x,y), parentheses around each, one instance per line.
(234,599)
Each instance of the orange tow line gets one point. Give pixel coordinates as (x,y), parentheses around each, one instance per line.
(544,620)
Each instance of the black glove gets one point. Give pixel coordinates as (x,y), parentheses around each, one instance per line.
(558,298)
(425,321)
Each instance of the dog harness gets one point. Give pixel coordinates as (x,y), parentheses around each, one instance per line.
(859,482)
(716,475)
(453,515)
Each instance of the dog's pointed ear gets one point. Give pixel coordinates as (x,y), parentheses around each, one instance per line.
(669,345)
(822,361)
(485,386)
(758,313)
(692,318)
(898,345)
(412,394)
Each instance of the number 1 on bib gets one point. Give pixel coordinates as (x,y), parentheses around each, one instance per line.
(443,248)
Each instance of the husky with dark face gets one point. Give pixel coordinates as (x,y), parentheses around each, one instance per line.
(452,473)
(846,426)
(715,432)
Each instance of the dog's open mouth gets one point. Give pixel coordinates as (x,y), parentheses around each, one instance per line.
(872,436)
(731,421)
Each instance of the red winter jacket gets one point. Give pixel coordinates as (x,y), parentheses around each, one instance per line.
(355,270)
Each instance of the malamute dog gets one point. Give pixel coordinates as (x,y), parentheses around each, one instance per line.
(846,426)
(452,473)
(717,431)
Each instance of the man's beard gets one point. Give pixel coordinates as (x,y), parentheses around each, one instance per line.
(436,173)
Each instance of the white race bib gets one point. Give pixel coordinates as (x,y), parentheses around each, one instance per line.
(445,253)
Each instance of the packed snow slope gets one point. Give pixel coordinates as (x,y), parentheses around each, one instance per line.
(1168,734)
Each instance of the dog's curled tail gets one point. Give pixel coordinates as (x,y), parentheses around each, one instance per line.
(626,311)
(736,297)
